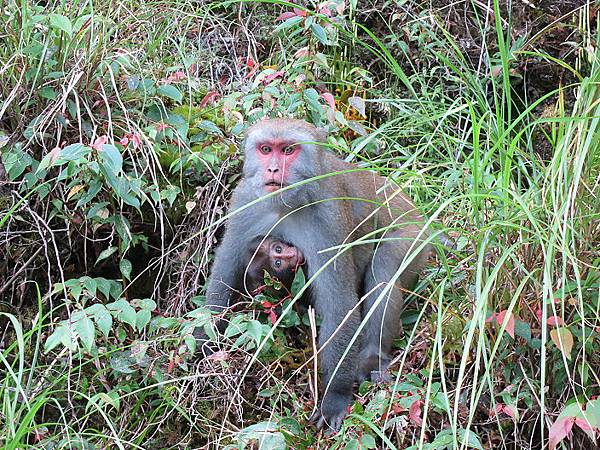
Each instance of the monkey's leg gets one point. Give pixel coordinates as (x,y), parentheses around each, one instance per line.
(384,324)
(335,299)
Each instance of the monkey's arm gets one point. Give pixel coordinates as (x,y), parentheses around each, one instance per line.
(226,273)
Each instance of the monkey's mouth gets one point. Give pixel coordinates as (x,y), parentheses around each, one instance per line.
(273,186)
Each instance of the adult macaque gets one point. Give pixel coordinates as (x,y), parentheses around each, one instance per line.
(280,259)
(344,205)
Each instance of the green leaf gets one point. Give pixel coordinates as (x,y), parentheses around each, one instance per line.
(86,331)
(15,162)
(146,303)
(255,330)
(90,284)
(267,435)
(142,318)
(104,322)
(123,311)
(523,330)
(122,363)
(62,23)
(170,91)
(72,152)
(289,23)
(367,441)
(104,286)
(469,438)
(125,267)
(60,336)
(209,126)
(319,32)
(353,444)
(311,96)
(106,253)
(111,158)
(298,283)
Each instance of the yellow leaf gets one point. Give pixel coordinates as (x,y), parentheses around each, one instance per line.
(563,339)
(74,190)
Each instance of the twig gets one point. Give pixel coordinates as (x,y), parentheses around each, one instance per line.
(18,272)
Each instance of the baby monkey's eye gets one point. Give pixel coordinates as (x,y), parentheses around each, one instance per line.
(278,249)
(277,263)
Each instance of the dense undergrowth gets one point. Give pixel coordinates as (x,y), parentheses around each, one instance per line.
(119,131)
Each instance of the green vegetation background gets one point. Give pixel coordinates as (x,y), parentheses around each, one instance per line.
(120,124)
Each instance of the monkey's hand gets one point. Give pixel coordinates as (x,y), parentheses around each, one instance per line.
(332,412)
(204,344)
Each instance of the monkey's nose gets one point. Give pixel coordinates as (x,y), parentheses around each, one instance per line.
(272,169)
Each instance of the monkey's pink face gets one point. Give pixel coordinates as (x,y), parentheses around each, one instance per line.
(285,257)
(276,159)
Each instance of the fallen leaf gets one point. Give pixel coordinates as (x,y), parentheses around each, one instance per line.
(563,339)
(189,206)
(210,97)
(358,103)
(555,321)
(415,412)
(219,356)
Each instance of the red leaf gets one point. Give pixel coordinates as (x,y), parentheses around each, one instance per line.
(299,79)
(510,325)
(583,424)
(161,126)
(179,75)
(538,314)
(286,15)
(415,412)
(559,430)
(300,12)
(491,318)
(329,99)
(304,51)
(554,321)
(326,11)
(210,97)
(124,141)
(508,410)
(176,76)
(397,408)
(136,140)
(274,75)
(252,66)
(272,317)
(99,142)
(497,410)
(265,304)
(171,365)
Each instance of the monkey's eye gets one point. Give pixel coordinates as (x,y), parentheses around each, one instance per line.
(265,149)
(277,263)
(278,249)
(288,150)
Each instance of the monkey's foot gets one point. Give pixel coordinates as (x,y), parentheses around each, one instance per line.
(379,376)
(331,413)
(204,344)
